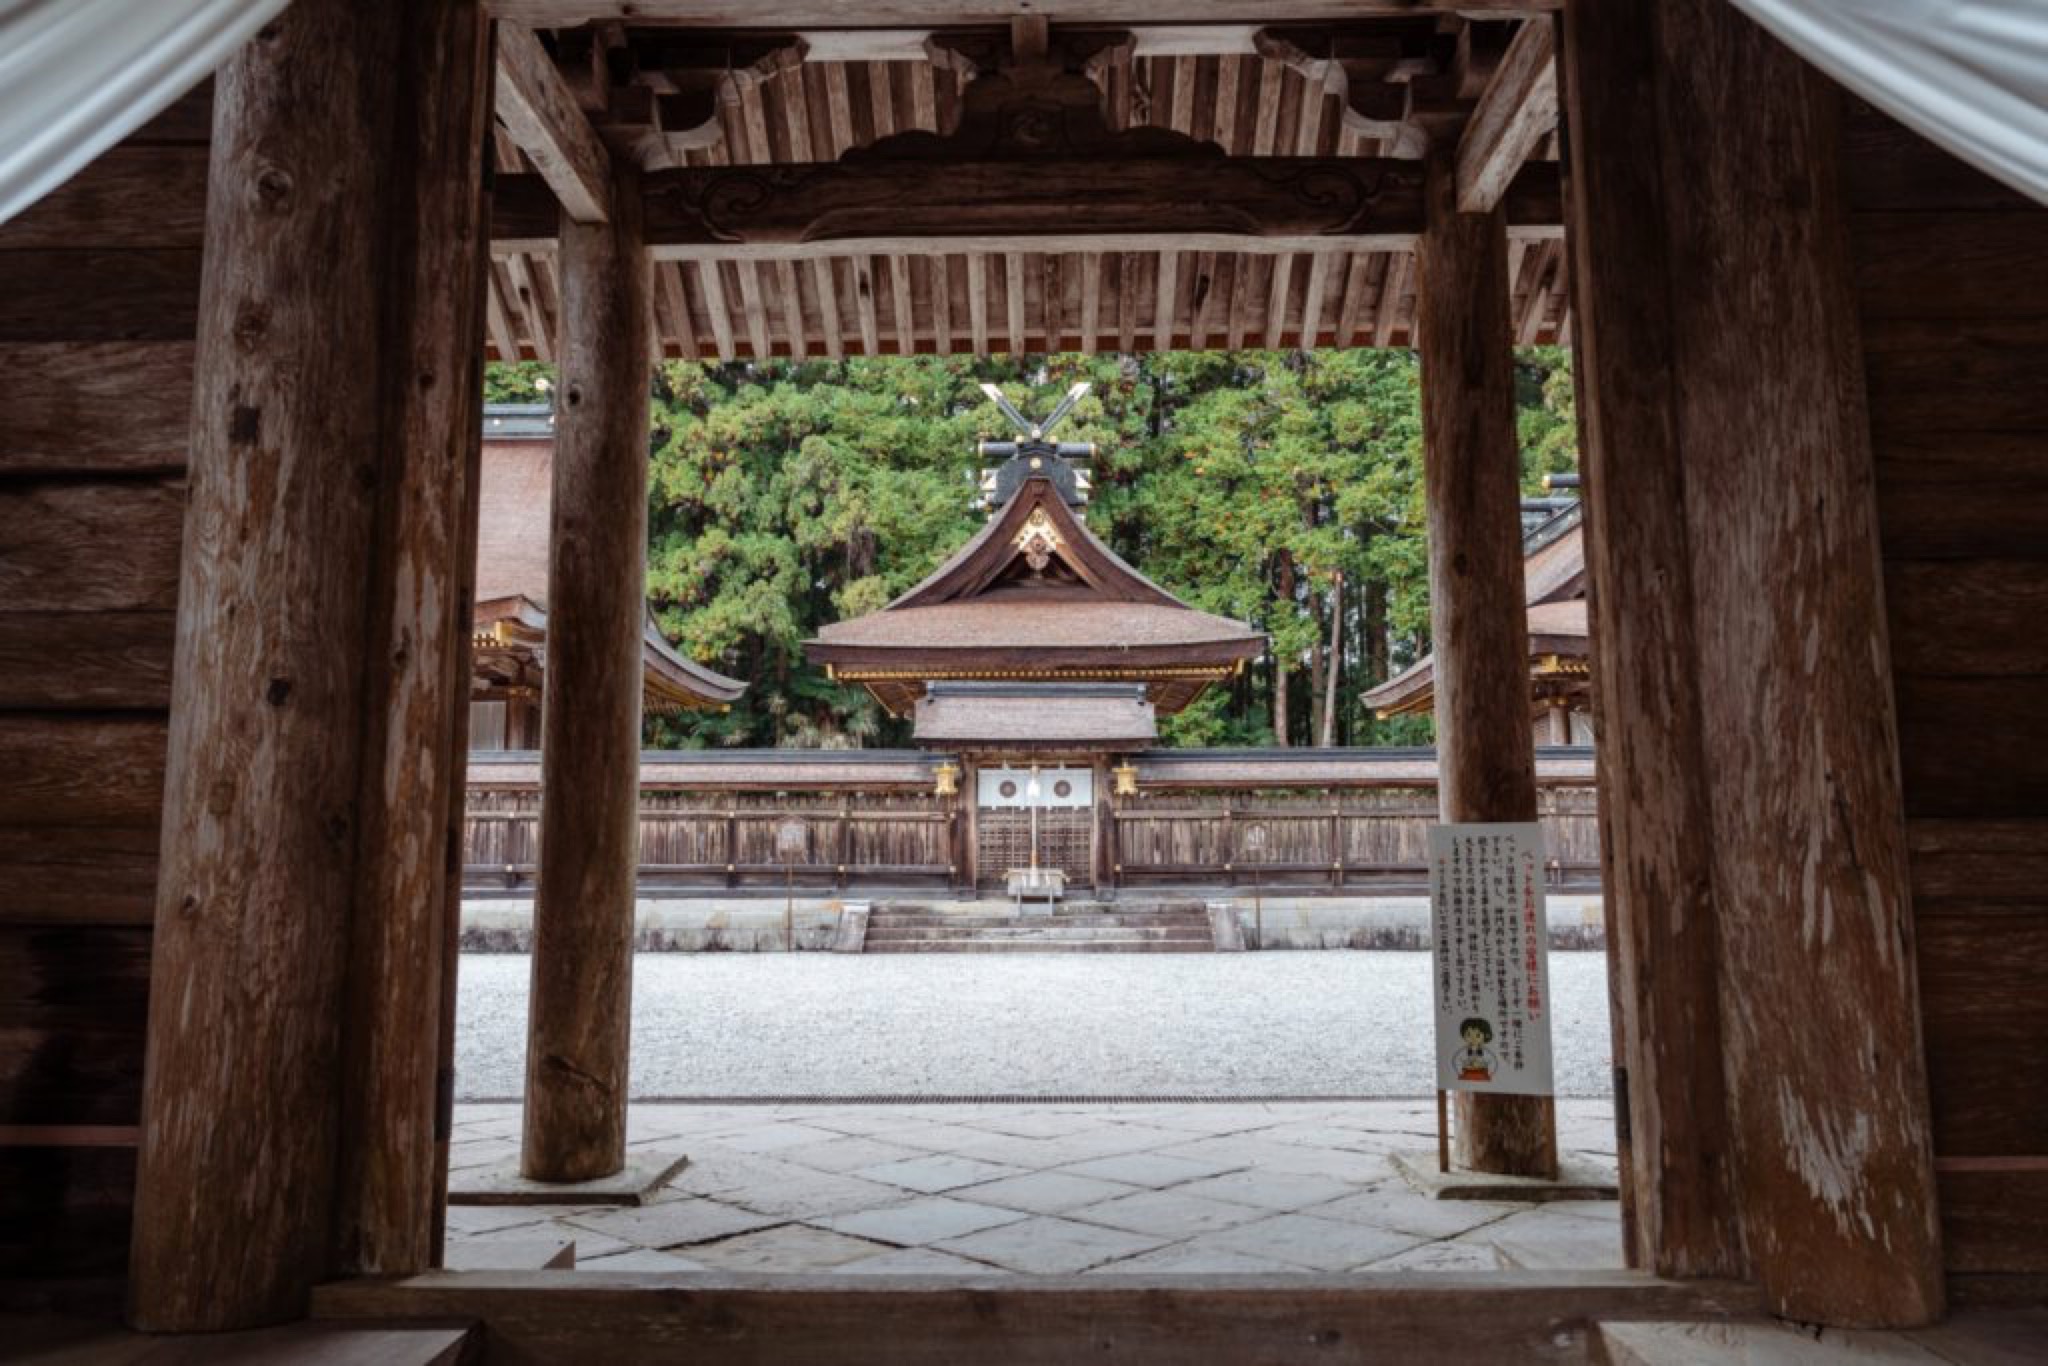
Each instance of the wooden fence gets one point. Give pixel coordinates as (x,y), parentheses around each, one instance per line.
(1313,820)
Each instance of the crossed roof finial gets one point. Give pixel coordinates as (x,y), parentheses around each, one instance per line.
(1037,431)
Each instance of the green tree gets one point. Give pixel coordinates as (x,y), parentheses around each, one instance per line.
(1279,488)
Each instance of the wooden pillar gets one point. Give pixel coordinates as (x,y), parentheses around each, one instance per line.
(1486,755)
(299,893)
(1749,755)
(416,687)
(581,1005)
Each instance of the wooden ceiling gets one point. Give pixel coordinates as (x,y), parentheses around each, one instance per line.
(840,91)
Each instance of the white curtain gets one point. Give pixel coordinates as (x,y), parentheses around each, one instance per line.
(1970,76)
(77,76)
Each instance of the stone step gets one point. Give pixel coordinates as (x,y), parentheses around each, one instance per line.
(988,922)
(1029,931)
(1039,947)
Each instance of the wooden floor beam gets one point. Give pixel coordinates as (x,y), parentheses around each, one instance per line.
(581,1003)
(1472,467)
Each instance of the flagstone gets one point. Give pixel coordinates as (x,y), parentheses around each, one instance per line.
(674,1223)
(916,1223)
(846,1153)
(933,1173)
(785,1248)
(1168,1213)
(1046,1246)
(1149,1169)
(1267,1189)
(1311,1243)
(1394,1206)
(1046,1192)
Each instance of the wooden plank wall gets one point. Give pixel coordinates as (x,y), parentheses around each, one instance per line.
(1952,283)
(99,289)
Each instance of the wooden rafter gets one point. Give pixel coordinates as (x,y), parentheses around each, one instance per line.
(1517,111)
(539,111)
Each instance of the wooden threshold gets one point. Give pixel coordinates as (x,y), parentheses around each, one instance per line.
(705,1319)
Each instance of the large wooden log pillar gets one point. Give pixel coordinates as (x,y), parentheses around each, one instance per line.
(1749,753)
(581,1005)
(1486,754)
(288,1105)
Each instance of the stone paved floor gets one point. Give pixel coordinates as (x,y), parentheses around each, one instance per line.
(1042,1188)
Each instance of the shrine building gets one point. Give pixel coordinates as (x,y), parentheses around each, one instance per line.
(510,626)
(1560,652)
(1040,657)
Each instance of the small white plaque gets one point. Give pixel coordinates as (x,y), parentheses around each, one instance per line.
(1490,959)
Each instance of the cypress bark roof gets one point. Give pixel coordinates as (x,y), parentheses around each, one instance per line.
(1554,570)
(1036,594)
(513,511)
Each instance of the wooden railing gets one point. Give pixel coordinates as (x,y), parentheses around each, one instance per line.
(1307,820)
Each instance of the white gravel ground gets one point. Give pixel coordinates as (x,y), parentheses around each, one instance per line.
(756,1024)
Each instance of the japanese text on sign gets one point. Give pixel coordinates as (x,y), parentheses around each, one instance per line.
(1490,958)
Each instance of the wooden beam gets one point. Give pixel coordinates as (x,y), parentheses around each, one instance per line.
(578,1022)
(1386,317)
(1053,296)
(711,274)
(1743,281)
(1657,830)
(1472,476)
(1517,111)
(1013,299)
(296,963)
(795,330)
(422,577)
(674,293)
(755,308)
(721,1320)
(1127,273)
(939,271)
(864,304)
(899,14)
(903,305)
(1091,301)
(1278,288)
(1166,304)
(1352,308)
(825,277)
(977,300)
(539,111)
(1312,304)
(1099,203)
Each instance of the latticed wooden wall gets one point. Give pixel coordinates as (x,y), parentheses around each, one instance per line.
(1326,837)
(737,834)
(1065,841)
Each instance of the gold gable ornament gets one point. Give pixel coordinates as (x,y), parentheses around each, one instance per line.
(1039,540)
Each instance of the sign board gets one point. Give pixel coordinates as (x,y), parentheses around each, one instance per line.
(1490,958)
(792,839)
(1022,787)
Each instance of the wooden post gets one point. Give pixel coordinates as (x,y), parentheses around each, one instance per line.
(288,1091)
(1486,755)
(456,743)
(1777,1094)
(417,684)
(577,1033)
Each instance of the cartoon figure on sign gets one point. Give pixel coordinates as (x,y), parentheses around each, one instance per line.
(1475,1060)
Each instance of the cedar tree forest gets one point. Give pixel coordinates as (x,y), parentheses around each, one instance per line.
(1282,488)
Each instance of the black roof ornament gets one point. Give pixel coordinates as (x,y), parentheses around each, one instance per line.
(1035,455)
